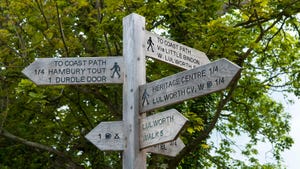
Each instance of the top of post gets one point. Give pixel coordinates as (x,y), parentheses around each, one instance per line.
(134,16)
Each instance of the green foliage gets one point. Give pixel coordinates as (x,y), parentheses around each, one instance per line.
(262,36)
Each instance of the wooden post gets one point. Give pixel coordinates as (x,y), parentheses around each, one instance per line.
(135,75)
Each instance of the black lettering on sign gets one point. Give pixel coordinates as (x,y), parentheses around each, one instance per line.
(66,71)
(96,79)
(185,50)
(74,63)
(157,100)
(173,143)
(213,69)
(153,135)
(191,59)
(39,71)
(220,80)
(171,44)
(201,86)
(160,40)
(97,62)
(159,55)
(163,147)
(68,79)
(59,63)
(193,76)
(157,122)
(96,70)
(169,59)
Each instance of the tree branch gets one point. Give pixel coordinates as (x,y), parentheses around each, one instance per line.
(99,6)
(61,30)
(82,109)
(68,161)
(42,12)
(114,109)
(46,21)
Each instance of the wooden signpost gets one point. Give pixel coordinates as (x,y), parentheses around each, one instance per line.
(135,75)
(188,84)
(173,52)
(161,127)
(109,136)
(137,134)
(81,70)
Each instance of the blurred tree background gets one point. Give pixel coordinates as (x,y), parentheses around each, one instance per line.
(44,126)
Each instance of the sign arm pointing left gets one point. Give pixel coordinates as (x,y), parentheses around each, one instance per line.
(81,70)
(109,136)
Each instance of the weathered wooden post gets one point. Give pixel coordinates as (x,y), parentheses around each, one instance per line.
(134,76)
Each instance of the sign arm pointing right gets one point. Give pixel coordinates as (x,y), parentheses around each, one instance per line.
(188,84)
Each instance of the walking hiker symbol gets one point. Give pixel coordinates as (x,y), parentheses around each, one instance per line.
(145,97)
(116,69)
(150,44)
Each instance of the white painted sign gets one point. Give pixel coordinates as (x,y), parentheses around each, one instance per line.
(173,52)
(171,148)
(161,127)
(108,136)
(188,84)
(81,70)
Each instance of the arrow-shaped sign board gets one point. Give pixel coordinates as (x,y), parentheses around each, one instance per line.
(108,136)
(171,148)
(188,84)
(161,127)
(79,70)
(173,52)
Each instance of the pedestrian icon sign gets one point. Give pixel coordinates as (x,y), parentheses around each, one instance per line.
(116,69)
(150,44)
(145,97)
